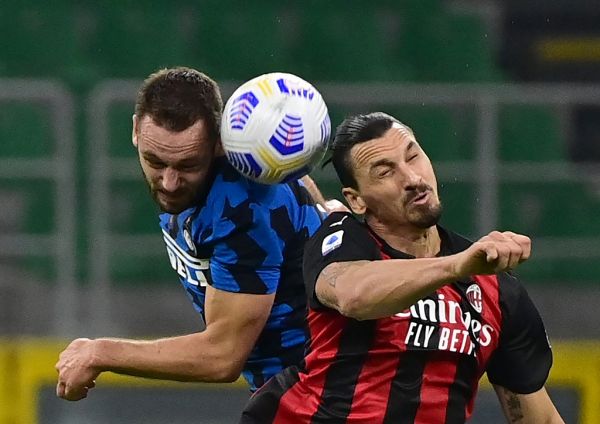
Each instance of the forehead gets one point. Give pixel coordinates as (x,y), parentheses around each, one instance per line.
(392,143)
(153,138)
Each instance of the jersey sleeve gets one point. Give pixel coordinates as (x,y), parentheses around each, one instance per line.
(523,359)
(248,254)
(341,238)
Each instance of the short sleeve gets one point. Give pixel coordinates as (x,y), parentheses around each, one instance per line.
(341,238)
(523,359)
(247,258)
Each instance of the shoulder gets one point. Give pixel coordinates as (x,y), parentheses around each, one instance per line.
(341,221)
(510,287)
(337,229)
(455,241)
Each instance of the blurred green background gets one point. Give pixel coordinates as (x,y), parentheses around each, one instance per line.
(509,84)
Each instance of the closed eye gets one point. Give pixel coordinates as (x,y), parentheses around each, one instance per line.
(155,164)
(385,173)
(189,167)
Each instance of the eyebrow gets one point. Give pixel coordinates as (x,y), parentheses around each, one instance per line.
(411,144)
(151,156)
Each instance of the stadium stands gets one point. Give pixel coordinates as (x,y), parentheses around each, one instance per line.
(531,133)
(418,41)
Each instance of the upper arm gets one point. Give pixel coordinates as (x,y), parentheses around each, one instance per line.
(532,408)
(523,358)
(339,247)
(234,321)
(245,269)
(327,289)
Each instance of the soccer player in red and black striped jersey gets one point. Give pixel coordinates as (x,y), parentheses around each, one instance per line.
(405,316)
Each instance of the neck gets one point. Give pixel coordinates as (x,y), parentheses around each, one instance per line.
(418,242)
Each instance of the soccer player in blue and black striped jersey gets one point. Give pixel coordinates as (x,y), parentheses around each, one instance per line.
(236,245)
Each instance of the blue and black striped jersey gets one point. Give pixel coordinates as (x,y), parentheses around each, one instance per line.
(246,237)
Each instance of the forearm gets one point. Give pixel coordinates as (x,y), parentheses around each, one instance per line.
(314,191)
(185,358)
(533,408)
(383,288)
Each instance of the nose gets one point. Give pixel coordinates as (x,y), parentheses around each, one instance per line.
(170,180)
(412,180)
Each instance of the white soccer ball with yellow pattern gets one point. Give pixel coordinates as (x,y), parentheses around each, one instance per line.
(275,128)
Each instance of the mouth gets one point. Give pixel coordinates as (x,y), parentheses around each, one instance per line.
(169,201)
(420,199)
(170,196)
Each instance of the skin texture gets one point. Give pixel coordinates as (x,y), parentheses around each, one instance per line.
(397,194)
(175,166)
(533,408)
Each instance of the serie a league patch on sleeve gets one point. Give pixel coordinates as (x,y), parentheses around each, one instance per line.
(332,242)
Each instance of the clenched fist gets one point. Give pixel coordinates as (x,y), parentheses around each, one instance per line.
(496,252)
(76,374)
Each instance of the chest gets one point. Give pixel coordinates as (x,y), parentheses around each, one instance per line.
(460,319)
(191,264)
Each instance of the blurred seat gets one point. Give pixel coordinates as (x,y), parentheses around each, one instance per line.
(133,213)
(352,40)
(26,133)
(119,130)
(550,209)
(37,38)
(445,133)
(530,133)
(546,271)
(142,271)
(459,203)
(237,40)
(25,130)
(133,39)
(32,204)
(446,47)
(132,208)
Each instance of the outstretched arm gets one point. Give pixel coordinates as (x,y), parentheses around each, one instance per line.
(377,289)
(217,354)
(533,408)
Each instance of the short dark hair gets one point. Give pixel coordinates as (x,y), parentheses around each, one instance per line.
(353,130)
(176,98)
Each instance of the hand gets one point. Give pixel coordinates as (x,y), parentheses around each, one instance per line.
(76,375)
(494,253)
(331,206)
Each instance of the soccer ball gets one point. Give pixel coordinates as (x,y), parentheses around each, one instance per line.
(275,128)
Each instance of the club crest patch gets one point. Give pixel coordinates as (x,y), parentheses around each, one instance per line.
(474,297)
(187,235)
(332,242)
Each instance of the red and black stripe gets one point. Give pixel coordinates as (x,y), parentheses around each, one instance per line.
(364,372)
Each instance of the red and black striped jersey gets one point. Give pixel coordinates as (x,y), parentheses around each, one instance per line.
(421,365)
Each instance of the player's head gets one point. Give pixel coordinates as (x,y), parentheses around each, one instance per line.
(384,172)
(176,131)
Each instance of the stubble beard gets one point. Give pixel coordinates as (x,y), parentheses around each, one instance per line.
(154,194)
(426,216)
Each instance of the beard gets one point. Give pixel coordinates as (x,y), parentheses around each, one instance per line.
(425,216)
(181,201)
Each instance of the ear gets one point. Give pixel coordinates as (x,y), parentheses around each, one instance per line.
(134,131)
(355,200)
